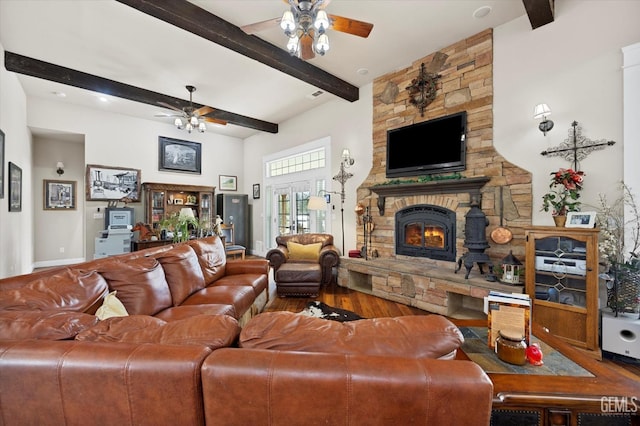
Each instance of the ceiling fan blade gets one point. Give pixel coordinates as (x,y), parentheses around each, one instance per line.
(166,105)
(214,120)
(350,26)
(203,111)
(306,47)
(261,26)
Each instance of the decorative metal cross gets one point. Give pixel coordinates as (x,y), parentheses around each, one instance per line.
(576,147)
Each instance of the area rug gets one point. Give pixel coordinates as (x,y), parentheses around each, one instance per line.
(322,310)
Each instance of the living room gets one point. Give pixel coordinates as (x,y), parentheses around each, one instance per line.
(556,64)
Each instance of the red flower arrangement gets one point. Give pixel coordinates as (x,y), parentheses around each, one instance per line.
(564,192)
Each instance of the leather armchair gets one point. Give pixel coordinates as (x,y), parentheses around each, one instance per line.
(328,259)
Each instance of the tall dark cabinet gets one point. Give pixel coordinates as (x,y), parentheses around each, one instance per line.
(234,208)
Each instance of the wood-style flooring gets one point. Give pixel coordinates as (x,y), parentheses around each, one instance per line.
(369,306)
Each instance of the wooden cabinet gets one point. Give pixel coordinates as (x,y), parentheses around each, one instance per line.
(165,199)
(562,279)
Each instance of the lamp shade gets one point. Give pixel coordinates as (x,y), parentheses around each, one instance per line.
(317,203)
(541,111)
(186,212)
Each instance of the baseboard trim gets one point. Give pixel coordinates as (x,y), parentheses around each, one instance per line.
(58,262)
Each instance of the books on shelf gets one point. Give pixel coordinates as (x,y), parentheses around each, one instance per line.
(509,312)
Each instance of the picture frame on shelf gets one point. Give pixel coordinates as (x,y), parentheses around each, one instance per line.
(1,164)
(15,188)
(228,183)
(175,155)
(256,191)
(112,183)
(580,220)
(59,194)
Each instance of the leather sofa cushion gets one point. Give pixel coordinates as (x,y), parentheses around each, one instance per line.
(140,284)
(258,282)
(240,297)
(182,270)
(69,290)
(211,256)
(44,325)
(213,331)
(428,336)
(187,311)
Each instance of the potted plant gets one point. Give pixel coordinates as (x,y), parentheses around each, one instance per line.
(178,224)
(563,195)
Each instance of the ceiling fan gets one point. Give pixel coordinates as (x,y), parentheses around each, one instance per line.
(306,23)
(190,117)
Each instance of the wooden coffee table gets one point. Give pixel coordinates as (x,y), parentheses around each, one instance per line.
(603,396)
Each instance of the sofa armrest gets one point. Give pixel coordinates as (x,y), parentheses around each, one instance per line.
(277,257)
(247,266)
(341,389)
(329,257)
(70,382)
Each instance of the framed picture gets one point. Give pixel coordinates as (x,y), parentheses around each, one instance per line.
(112,183)
(580,220)
(175,155)
(59,195)
(1,164)
(15,188)
(256,191)
(228,183)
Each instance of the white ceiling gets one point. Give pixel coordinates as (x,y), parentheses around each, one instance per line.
(115,41)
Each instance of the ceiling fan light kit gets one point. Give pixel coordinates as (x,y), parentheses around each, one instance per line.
(191,118)
(306,24)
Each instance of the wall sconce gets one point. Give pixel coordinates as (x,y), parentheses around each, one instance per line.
(543,111)
(320,203)
(60,168)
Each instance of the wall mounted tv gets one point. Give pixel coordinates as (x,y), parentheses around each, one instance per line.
(430,147)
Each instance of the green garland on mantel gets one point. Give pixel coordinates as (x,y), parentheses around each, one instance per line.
(422,179)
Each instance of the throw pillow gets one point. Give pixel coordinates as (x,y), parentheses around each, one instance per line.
(304,251)
(111,307)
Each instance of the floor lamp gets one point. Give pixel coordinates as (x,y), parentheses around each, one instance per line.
(319,203)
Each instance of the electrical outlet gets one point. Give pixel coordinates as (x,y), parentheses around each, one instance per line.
(98,215)
(61,249)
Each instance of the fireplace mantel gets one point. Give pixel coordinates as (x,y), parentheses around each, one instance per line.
(446,186)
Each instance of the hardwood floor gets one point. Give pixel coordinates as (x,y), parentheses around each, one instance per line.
(369,306)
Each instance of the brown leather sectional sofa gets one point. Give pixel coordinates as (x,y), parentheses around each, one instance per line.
(194,351)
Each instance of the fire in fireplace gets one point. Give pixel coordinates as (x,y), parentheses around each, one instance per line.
(425,230)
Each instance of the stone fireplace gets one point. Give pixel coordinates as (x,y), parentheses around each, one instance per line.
(416,266)
(425,230)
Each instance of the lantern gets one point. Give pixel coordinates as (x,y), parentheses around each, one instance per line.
(511,269)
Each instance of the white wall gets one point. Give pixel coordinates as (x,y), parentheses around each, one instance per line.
(123,141)
(574,65)
(349,125)
(16,228)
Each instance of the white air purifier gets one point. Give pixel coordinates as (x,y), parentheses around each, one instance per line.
(621,335)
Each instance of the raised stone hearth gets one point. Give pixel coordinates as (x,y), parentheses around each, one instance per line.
(433,288)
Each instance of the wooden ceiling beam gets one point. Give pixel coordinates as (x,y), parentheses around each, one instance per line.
(47,71)
(200,22)
(541,12)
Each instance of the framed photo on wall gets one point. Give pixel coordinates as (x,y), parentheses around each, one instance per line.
(175,155)
(1,164)
(228,183)
(15,188)
(112,183)
(256,191)
(59,195)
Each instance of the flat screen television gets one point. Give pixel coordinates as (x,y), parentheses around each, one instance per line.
(430,147)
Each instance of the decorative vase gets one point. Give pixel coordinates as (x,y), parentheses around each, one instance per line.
(560,221)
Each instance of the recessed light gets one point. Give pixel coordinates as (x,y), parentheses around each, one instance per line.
(481,12)
(362,71)
(103,99)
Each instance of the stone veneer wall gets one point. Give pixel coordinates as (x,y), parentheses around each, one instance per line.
(466,83)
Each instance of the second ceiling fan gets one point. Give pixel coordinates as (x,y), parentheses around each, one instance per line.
(306,23)
(191,117)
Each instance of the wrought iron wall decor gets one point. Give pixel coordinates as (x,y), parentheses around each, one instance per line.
(576,147)
(422,90)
